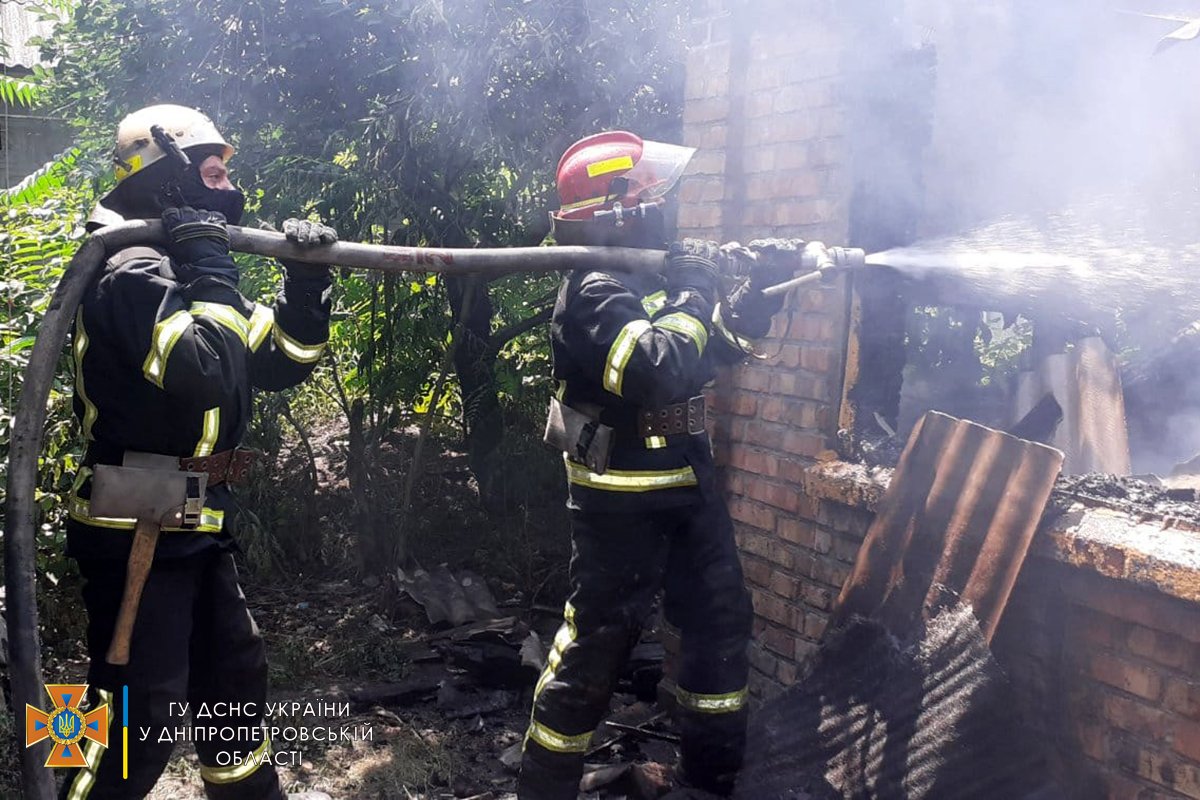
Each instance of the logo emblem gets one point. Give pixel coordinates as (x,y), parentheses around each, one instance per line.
(66,725)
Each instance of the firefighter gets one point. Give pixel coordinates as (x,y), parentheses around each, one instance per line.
(166,354)
(631,354)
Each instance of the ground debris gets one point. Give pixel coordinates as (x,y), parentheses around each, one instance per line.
(448,600)
(1141,497)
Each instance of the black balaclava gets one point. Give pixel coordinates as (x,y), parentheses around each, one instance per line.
(145,194)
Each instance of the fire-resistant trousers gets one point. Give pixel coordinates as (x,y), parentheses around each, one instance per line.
(193,642)
(618,564)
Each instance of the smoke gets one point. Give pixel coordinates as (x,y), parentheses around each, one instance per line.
(1056,130)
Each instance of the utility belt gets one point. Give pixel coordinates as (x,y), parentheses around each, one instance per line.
(587,432)
(157,490)
(228,466)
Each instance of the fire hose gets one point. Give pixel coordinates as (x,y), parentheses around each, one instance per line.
(29,421)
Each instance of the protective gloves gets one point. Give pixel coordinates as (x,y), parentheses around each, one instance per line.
(307,233)
(199,244)
(750,311)
(692,264)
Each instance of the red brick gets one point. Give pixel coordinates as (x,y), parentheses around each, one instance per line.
(845,549)
(814,625)
(780,641)
(1125,675)
(752,377)
(1135,717)
(754,543)
(758,573)
(773,609)
(830,573)
(813,328)
(702,218)
(701,189)
(711,109)
(1092,740)
(772,494)
(798,384)
(744,404)
(785,585)
(782,555)
(803,443)
(1170,651)
(797,531)
(1187,742)
(787,672)
(754,461)
(763,661)
(1095,628)
(817,597)
(1183,698)
(752,514)
(805,650)
(1144,607)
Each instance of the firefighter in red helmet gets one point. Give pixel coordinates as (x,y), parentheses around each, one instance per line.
(631,355)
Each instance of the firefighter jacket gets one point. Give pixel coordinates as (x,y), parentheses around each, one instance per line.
(622,344)
(165,367)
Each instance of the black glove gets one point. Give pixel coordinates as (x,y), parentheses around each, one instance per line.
(307,233)
(199,243)
(692,264)
(776,260)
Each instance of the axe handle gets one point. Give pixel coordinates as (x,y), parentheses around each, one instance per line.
(141,556)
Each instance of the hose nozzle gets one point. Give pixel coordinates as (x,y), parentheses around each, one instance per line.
(821,263)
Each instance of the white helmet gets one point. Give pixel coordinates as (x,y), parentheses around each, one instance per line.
(136,148)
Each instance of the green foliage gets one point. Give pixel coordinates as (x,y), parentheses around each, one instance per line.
(18,92)
(44,181)
(37,241)
(414,122)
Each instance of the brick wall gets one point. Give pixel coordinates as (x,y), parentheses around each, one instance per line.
(763,108)
(1108,670)
(1111,673)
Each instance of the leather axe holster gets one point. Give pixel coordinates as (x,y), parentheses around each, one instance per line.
(151,489)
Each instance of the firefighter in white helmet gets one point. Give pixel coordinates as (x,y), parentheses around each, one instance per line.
(167,352)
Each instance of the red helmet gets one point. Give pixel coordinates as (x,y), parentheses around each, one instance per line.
(616,167)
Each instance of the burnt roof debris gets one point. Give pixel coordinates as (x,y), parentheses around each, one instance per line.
(1141,497)
(929,717)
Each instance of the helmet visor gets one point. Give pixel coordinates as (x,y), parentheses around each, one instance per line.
(659,169)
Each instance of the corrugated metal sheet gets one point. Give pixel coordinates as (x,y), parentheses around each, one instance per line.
(17,26)
(955,523)
(1086,382)
(931,719)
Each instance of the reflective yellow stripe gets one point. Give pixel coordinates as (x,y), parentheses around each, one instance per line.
(653,303)
(620,353)
(260,325)
(296,351)
(656,442)
(90,412)
(712,703)
(617,480)
(212,427)
(591,201)
(548,737)
(166,334)
(558,742)
(609,165)
(223,315)
(745,345)
(687,325)
(561,392)
(238,772)
(92,753)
